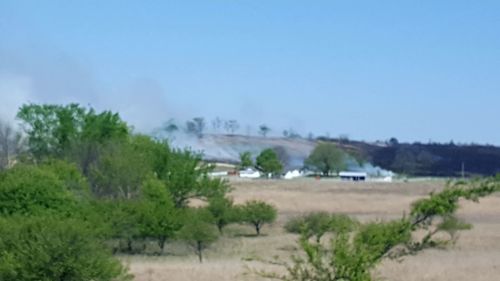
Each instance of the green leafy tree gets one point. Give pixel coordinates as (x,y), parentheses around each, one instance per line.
(69,131)
(354,252)
(48,248)
(222,210)
(246,160)
(268,162)
(123,219)
(51,128)
(257,213)
(186,177)
(122,167)
(198,230)
(327,159)
(158,218)
(99,131)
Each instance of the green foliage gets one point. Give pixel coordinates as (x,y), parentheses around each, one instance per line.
(257,213)
(157,216)
(327,158)
(104,127)
(212,187)
(452,225)
(29,190)
(198,230)
(246,160)
(268,162)
(186,177)
(47,249)
(87,166)
(376,239)
(122,167)
(355,251)
(340,223)
(182,178)
(122,219)
(318,223)
(56,130)
(115,162)
(222,210)
(69,175)
(50,128)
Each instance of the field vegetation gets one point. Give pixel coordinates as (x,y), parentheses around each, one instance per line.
(89,199)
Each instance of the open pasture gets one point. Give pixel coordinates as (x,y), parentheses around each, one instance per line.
(475,256)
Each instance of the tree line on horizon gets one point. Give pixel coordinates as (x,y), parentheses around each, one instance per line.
(199,126)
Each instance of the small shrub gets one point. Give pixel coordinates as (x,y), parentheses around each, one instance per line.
(222,210)
(198,230)
(257,213)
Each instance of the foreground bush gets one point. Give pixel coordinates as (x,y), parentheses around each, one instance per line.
(318,224)
(48,249)
(353,252)
(29,190)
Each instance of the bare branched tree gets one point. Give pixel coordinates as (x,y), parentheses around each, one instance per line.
(11,144)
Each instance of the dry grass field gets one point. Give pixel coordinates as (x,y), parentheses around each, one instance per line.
(476,255)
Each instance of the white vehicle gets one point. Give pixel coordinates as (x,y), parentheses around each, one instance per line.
(249,174)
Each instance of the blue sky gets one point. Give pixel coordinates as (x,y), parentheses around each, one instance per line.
(416,70)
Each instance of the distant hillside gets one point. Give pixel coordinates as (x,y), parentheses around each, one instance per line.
(444,160)
(227,148)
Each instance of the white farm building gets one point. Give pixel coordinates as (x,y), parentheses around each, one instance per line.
(353,176)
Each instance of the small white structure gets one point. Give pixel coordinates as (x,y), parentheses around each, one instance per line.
(353,176)
(292,175)
(218,174)
(249,174)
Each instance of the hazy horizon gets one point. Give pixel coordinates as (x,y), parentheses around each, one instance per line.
(370,70)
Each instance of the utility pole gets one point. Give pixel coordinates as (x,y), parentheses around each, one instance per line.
(463,170)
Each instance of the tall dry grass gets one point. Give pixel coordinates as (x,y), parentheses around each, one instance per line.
(476,256)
